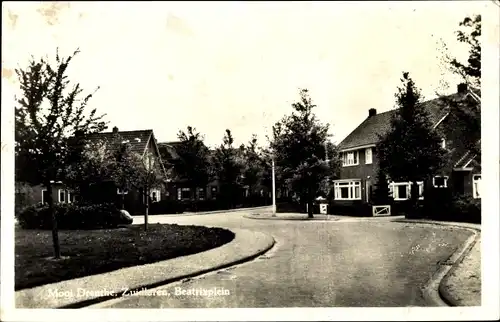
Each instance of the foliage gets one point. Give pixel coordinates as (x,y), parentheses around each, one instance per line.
(167,207)
(131,170)
(410,151)
(228,166)
(193,164)
(464,117)
(92,165)
(381,193)
(470,35)
(49,112)
(442,204)
(298,144)
(72,216)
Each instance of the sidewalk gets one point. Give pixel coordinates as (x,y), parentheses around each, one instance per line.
(461,281)
(463,286)
(92,289)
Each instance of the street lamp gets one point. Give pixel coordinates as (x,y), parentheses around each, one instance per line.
(274,187)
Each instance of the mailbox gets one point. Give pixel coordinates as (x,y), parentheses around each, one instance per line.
(323,205)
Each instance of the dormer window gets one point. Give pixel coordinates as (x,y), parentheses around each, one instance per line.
(350,158)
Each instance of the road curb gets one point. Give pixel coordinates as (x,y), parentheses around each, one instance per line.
(289,219)
(185,214)
(435,290)
(247,245)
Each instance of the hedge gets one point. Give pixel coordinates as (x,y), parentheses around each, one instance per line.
(166,207)
(72,216)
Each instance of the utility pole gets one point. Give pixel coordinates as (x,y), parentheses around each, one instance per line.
(274,188)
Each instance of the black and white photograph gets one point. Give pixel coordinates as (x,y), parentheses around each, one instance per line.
(250,160)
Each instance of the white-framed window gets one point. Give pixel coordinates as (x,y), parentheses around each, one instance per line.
(155,195)
(201,194)
(350,158)
(368,156)
(183,193)
(402,190)
(61,195)
(476,186)
(45,196)
(440,181)
(121,192)
(347,190)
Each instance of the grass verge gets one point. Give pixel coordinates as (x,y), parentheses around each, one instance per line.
(89,252)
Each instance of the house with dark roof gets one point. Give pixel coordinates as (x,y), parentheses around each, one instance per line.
(358,173)
(142,142)
(180,188)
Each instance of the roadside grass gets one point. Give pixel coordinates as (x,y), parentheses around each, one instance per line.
(89,252)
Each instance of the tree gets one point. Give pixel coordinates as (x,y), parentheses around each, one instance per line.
(253,169)
(228,169)
(89,164)
(131,170)
(298,146)
(470,34)
(193,164)
(334,164)
(48,112)
(381,195)
(465,118)
(410,151)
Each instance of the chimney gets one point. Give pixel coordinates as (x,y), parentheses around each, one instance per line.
(462,88)
(372,112)
(115,130)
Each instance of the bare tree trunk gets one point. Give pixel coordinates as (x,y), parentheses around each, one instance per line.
(55,233)
(310,204)
(414,196)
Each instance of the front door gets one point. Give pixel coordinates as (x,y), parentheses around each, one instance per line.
(368,190)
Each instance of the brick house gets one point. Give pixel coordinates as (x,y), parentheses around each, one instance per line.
(358,173)
(141,142)
(180,189)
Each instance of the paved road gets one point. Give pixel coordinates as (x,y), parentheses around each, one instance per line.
(346,263)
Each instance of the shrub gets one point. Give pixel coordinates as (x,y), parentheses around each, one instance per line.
(466,209)
(441,204)
(354,209)
(289,205)
(73,216)
(166,207)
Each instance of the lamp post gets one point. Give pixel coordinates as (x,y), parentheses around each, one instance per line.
(274,187)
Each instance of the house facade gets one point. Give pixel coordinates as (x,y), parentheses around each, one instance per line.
(358,173)
(142,142)
(180,188)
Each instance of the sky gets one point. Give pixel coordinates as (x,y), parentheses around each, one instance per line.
(237,65)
